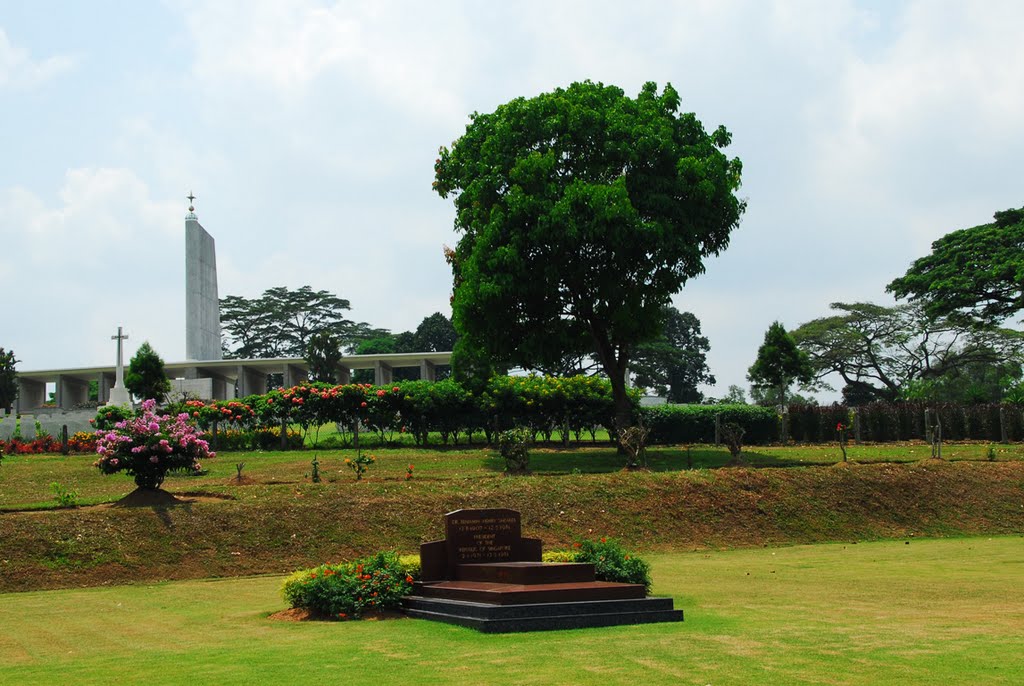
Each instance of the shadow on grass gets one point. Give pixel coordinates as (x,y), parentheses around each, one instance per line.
(602,461)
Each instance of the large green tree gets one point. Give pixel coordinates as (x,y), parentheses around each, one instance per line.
(676,362)
(323,355)
(145,377)
(581,212)
(281,322)
(779,364)
(435,334)
(974,275)
(878,351)
(8,379)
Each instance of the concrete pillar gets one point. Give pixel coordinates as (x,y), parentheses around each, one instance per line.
(293,375)
(71,392)
(30,394)
(251,381)
(344,375)
(220,388)
(381,374)
(105,381)
(427,371)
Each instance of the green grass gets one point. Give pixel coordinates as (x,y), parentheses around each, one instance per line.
(25,479)
(930,612)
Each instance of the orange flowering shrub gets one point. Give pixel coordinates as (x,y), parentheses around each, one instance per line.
(348,589)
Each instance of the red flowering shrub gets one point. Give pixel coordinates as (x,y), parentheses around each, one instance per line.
(347,590)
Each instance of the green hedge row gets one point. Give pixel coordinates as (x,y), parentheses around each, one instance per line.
(885,422)
(549,407)
(670,424)
(575,407)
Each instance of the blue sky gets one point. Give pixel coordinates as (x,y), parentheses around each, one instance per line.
(308,131)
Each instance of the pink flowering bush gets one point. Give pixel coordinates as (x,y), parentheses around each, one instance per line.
(149,445)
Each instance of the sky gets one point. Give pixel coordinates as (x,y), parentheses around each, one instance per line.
(308,131)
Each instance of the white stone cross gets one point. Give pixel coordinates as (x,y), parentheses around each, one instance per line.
(119,394)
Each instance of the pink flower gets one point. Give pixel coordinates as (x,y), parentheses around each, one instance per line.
(154,459)
(381,393)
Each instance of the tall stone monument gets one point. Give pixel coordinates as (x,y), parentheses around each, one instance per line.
(119,394)
(202,306)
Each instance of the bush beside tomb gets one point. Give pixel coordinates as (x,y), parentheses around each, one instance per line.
(348,590)
(614,563)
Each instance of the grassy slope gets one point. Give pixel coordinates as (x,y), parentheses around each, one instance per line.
(925,613)
(283,522)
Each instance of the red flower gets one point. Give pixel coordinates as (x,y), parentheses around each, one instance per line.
(408,579)
(362,404)
(395,389)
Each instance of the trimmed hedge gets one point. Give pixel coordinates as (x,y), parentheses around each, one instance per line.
(561,409)
(696,423)
(884,422)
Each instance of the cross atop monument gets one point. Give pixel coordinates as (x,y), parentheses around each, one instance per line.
(119,394)
(190,199)
(119,337)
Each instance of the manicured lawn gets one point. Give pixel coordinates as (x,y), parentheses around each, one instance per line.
(25,480)
(931,612)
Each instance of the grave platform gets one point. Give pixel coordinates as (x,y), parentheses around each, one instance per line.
(486,576)
(494,619)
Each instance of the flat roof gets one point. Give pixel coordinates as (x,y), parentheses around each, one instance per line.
(270,365)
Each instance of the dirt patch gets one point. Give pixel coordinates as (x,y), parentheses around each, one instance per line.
(298,614)
(293,614)
(243,481)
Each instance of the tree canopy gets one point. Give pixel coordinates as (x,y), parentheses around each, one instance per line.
(8,379)
(779,364)
(974,275)
(281,322)
(145,377)
(581,212)
(676,362)
(323,354)
(879,352)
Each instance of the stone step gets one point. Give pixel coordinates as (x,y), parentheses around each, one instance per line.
(495,593)
(526,572)
(491,618)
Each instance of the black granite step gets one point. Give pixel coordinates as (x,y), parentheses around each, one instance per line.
(491,618)
(496,593)
(526,572)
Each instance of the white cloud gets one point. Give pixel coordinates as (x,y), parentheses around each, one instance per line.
(289,51)
(95,258)
(901,124)
(18,70)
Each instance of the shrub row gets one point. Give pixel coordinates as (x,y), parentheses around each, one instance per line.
(546,406)
(560,408)
(884,422)
(671,424)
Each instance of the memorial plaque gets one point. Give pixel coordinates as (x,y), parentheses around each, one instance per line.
(475,536)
